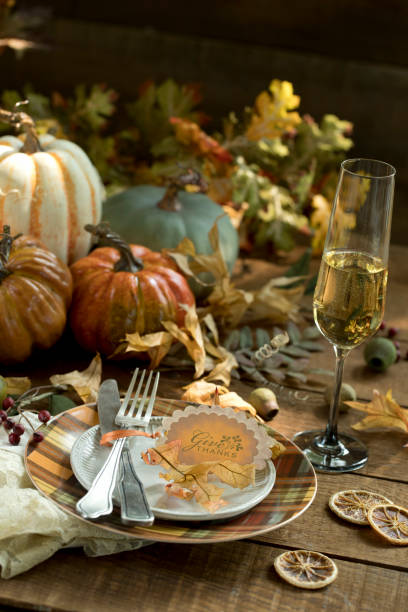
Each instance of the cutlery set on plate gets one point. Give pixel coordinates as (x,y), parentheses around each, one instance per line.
(118,469)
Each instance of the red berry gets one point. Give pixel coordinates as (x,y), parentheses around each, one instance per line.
(383,325)
(14,439)
(18,429)
(8,402)
(397,344)
(3,415)
(392,332)
(44,416)
(38,437)
(8,424)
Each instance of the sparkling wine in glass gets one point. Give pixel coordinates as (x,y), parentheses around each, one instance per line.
(349,298)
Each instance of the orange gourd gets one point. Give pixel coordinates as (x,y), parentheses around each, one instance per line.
(35,293)
(122,289)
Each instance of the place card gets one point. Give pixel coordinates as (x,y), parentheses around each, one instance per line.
(212,433)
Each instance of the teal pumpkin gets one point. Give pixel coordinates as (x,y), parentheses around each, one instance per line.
(159,218)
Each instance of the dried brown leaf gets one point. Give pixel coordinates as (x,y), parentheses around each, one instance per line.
(383,413)
(85,383)
(195,477)
(16,385)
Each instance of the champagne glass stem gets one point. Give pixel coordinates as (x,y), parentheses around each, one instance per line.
(330,436)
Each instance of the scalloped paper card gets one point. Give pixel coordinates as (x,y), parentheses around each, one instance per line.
(212,433)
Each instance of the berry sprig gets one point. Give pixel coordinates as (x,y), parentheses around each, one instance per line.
(22,403)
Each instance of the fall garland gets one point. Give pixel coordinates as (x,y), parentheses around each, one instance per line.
(272,169)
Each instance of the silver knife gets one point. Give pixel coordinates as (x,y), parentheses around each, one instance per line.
(135,508)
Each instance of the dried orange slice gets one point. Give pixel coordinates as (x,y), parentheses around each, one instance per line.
(354,504)
(391,522)
(305,568)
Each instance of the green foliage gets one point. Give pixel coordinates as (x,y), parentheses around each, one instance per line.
(151,113)
(289,364)
(268,161)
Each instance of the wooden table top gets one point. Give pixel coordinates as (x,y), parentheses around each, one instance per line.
(240,575)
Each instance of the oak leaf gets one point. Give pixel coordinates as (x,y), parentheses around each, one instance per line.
(383,413)
(271,114)
(190,134)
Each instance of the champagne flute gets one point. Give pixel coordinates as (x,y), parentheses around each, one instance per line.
(348,303)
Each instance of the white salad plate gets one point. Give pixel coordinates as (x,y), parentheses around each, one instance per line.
(88,456)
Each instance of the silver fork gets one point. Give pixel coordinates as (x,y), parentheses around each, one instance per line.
(98,501)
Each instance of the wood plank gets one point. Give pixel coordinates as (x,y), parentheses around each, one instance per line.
(233,576)
(372,33)
(320,529)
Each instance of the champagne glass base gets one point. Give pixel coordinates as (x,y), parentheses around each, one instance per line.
(346,455)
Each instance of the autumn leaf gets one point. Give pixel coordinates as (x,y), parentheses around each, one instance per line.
(319,220)
(191,135)
(277,301)
(156,345)
(272,114)
(176,490)
(235,475)
(191,336)
(204,392)
(16,385)
(85,383)
(194,478)
(383,413)
(229,305)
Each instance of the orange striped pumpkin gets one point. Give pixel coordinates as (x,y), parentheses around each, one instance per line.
(50,193)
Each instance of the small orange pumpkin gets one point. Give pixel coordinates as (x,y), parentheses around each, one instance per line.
(122,289)
(35,293)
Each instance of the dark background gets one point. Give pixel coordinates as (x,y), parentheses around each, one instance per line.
(345,57)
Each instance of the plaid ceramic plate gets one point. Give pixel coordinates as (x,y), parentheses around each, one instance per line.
(49,467)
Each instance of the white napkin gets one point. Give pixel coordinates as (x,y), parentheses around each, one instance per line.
(32,527)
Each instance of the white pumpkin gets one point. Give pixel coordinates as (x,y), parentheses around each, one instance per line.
(50,194)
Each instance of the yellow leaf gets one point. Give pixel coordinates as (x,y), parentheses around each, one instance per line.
(202,392)
(319,220)
(235,475)
(383,411)
(192,338)
(208,495)
(16,385)
(195,477)
(271,115)
(85,383)
(226,362)
(156,345)
(233,400)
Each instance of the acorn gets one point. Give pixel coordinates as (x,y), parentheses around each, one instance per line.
(380,353)
(265,403)
(347,394)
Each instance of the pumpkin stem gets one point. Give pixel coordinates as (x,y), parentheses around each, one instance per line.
(5,248)
(106,237)
(190,176)
(22,121)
